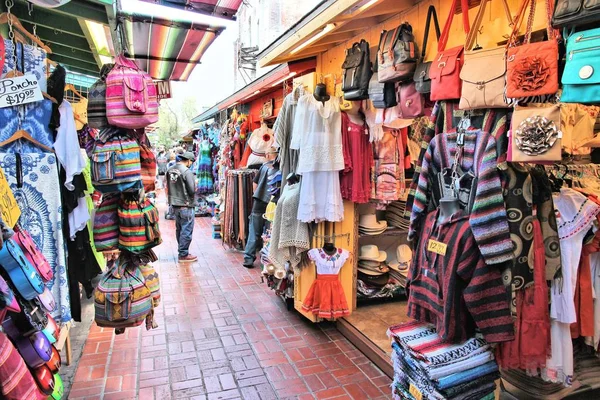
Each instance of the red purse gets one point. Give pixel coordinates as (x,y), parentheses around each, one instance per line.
(33,254)
(445,68)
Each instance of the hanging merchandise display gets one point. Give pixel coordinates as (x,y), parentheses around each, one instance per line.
(422,77)
(397,54)
(581,77)
(357,72)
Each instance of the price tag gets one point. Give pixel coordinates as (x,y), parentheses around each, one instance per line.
(415,392)
(19,90)
(8,205)
(437,247)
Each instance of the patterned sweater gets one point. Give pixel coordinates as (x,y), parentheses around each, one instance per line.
(488,215)
(457,291)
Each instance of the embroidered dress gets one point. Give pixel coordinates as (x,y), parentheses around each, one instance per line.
(326,298)
(204,175)
(41,215)
(358,156)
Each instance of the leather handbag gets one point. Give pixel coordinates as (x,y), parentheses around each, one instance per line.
(445,69)
(96,107)
(421,76)
(131,100)
(33,253)
(535,135)
(357,72)
(383,95)
(570,13)
(397,54)
(581,77)
(411,103)
(532,68)
(484,71)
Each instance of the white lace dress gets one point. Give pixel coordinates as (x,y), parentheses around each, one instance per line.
(317,134)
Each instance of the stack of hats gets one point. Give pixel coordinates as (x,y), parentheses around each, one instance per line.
(395,215)
(368,225)
(399,267)
(425,367)
(372,269)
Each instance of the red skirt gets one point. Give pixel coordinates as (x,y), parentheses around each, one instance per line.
(326,298)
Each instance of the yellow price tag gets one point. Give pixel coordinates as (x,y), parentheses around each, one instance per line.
(437,247)
(8,205)
(415,392)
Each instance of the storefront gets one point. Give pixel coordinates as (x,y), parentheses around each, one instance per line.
(373,236)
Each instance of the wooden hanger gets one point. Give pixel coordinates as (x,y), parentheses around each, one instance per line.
(17,24)
(23,134)
(69,86)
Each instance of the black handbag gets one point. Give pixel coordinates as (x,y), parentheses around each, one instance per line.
(357,72)
(382,95)
(571,13)
(421,76)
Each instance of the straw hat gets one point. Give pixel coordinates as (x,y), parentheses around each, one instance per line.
(372,253)
(280,273)
(374,280)
(403,258)
(369,222)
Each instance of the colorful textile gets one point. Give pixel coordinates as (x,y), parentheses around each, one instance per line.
(16,382)
(457,291)
(355,180)
(35,118)
(468,375)
(138,226)
(387,171)
(35,61)
(487,217)
(41,215)
(204,174)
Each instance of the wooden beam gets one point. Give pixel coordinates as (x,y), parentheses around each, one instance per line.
(359,24)
(336,38)
(387,7)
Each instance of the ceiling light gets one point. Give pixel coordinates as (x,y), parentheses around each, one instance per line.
(137,7)
(328,28)
(293,73)
(101,39)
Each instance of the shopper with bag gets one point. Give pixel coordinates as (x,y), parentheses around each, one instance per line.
(181,188)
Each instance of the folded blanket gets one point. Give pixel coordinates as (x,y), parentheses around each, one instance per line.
(464,387)
(465,376)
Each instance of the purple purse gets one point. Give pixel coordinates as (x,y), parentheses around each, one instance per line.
(47,300)
(36,349)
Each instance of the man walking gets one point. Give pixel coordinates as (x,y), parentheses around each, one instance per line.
(181,188)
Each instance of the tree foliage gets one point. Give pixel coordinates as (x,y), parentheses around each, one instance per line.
(174,120)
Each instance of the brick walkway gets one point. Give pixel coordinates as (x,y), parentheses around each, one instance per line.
(222,335)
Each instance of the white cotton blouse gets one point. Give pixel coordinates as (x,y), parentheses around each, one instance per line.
(317,133)
(259,145)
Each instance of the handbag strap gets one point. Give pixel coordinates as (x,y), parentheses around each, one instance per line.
(123,61)
(465,17)
(431,15)
(472,36)
(521,17)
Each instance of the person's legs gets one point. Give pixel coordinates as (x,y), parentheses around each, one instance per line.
(186,219)
(175,213)
(256,224)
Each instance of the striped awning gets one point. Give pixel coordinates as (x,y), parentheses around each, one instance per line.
(217,8)
(166,49)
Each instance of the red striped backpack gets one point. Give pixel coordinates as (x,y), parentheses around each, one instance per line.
(131,100)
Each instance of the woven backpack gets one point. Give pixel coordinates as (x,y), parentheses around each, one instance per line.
(122,299)
(148,164)
(152,281)
(138,225)
(96,107)
(116,164)
(106,223)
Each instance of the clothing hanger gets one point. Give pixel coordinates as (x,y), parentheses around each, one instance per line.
(4,19)
(69,86)
(23,134)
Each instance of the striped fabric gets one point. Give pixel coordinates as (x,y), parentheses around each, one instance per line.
(116,165)
(487,218)
(16,382)
(106,223)
(459,291)
(138,226)
(96,107)
(122,299)
(152,282)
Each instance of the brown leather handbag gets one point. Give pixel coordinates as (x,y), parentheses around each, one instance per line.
(484,72)
(532,68)
(445,68)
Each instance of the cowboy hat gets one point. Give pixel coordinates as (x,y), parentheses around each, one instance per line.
(403,258)
(374,280)
(372,253)
(369,222)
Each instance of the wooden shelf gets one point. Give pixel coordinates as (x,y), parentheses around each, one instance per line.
(388,232)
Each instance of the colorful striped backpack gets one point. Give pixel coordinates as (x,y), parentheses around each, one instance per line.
(122,299)
(152,281)
(138,225)
(131,100)
(106,223)
(116,164)
(96,107)
(148,164)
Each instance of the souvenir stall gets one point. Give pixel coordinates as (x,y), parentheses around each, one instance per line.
(453,164)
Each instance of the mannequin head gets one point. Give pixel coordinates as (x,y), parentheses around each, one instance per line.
(354,107)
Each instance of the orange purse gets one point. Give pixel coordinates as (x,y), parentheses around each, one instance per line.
(532,68)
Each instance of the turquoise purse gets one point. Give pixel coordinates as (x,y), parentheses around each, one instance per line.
(581,78)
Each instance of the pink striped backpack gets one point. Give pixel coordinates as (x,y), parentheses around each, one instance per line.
(131,100)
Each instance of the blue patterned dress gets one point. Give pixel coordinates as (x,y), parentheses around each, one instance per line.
(204,175)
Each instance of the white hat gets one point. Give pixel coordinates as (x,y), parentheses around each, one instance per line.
(280,273)
(403,258)
(369,222)
(372,253)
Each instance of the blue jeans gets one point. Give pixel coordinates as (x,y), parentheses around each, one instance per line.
(256,223)
(184,225)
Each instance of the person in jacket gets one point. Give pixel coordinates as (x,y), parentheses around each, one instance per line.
(181,186)
(162,159)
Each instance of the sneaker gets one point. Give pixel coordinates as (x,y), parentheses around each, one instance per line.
(188,258)
(249,266)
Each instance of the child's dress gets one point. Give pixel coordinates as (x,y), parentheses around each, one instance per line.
(326,297)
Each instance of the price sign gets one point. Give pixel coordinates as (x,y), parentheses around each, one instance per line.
(437,247)
(415,392)
(8,205)
(19,90)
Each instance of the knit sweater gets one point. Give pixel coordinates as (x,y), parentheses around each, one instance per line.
(457,291)
(487,217)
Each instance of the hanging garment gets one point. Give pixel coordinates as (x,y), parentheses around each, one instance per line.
(204,174)
(387,167)
(282,130)
(487,217)
(30,60)
(40,204)
(67,145)
(326,298)
(80,113)
(355,179)
(456,289)
(259,142)
(35,118)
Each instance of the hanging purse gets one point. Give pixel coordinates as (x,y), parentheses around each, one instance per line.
(357,72)
(421,76)
(581,77)
(383,95)
(138,225)
(397,54)
(445,69)
(411,103)
(532,68)
(535,135)
(569,13)
(484,71)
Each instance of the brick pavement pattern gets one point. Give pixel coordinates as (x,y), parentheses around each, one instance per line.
(222,335)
